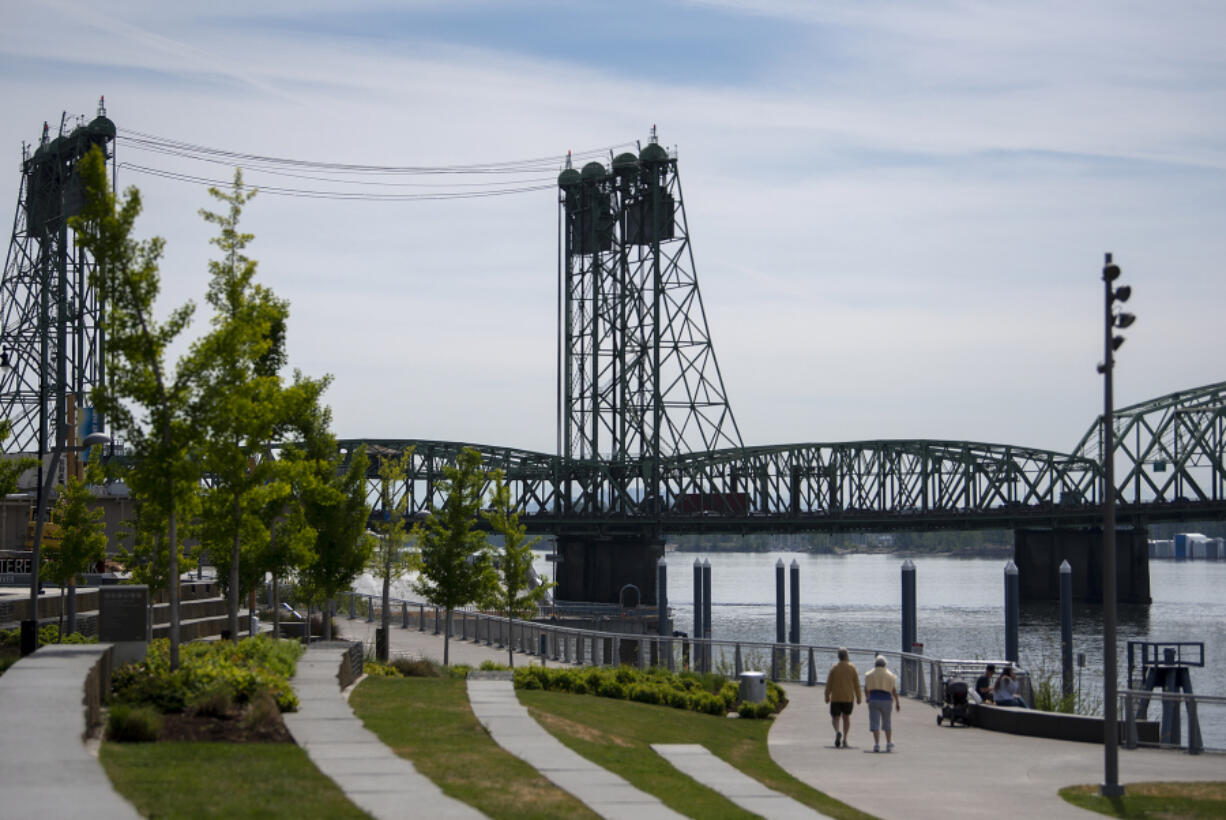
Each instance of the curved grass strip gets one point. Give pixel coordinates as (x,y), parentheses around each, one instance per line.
(617,735)
(199,780)
(1154,800)
(428,721)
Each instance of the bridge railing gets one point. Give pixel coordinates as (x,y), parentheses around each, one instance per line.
(919,676)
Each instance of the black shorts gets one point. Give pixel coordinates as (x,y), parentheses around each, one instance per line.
(840,707)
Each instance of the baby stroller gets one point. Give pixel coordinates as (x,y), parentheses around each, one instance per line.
(956,705)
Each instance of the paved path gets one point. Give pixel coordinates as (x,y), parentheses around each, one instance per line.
(428,645)
(712,772)
(373,776)
(45,769)
(499,711)
(941,773)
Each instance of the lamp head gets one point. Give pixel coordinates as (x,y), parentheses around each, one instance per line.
(1123,320)
(1122,293)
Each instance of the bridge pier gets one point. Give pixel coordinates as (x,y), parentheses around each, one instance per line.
(1038,554)
(596,570)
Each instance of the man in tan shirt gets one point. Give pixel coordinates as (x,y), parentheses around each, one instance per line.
(842,684)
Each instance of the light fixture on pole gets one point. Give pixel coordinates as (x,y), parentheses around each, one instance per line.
(29,627)
(1111,320)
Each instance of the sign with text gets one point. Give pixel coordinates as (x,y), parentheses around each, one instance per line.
(123,613)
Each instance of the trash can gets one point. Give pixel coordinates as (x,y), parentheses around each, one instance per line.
(753,686)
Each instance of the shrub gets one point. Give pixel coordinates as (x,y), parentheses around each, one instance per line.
(216,701)
(645,693)
(410,668)
(458,671)
(491,666)
(612,688)
(254,664)
(263,714)
(763,710)
(379,670)
(747,709)
(624,675)
(133,724)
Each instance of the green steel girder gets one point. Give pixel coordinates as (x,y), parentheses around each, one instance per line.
(1170,450)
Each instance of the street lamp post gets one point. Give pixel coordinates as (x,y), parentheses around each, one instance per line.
(1111,320)
(30,625)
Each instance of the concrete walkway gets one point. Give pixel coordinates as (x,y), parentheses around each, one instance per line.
(371,774)
(499,711)
(45,769)
(939,773)
(428,645)
(714,773)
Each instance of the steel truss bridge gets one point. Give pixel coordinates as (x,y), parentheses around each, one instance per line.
(647,440)
(1170,461)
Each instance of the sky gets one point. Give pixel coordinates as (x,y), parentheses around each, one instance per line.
(898,210)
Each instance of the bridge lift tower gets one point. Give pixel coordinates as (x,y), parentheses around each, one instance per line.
(638,381)
(50,337)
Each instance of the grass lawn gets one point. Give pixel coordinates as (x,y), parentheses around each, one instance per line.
(1165,801)
(617,734)
(223,780)
(428,721)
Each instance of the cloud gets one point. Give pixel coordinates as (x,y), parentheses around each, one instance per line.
(898,213)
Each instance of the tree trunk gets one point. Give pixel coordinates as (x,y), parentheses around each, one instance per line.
(276,608)
(251,609)
(510,639)
(447,636)
(385,618)
(327,620)
(174,585)
(72,606)
(234,590)
(60,621)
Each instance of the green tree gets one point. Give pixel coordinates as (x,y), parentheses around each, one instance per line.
(514,594)
(241,403)
(11,469)
(142,398)
(455,562)
(391,557)
(82,541)
(335,506)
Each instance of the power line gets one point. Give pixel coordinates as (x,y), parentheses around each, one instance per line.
(362,182)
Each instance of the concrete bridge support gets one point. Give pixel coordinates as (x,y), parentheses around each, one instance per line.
(596,570)
(1038,554)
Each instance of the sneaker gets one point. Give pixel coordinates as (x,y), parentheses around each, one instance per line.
(838,739)
(876,747)
(889,747)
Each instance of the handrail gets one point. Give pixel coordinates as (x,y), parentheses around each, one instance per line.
(1135,703)
(919,676)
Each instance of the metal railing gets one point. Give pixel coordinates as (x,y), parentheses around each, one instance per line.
(1135,706)
(919,676)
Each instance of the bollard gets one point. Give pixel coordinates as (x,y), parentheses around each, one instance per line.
(353,605)
(1066,629)
(780,619)
(1011,612)
(404,614)
(736,661)
(370,609)
(812,669)
(421,617)
(1130,714)
(906,672)
(436,629)
(706,614)
(579,649)
(794,629)
(616,659)
(699,609)
(663,627)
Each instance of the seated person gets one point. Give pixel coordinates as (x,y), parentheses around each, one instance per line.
(983,686)
(1005,691)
